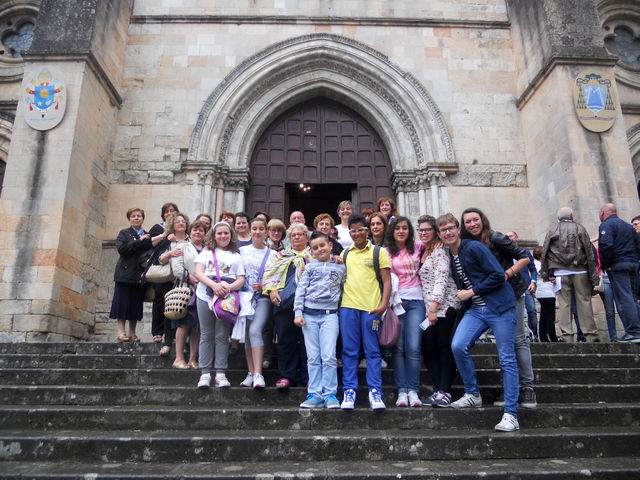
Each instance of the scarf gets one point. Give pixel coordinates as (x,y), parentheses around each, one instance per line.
(276,272)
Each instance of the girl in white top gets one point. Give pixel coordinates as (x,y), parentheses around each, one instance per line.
(253,257)
(345,208)
(214,333)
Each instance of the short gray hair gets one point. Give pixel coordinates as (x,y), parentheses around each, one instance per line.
(299,225)
(565,213)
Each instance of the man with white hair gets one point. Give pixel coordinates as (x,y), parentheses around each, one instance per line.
(568,257)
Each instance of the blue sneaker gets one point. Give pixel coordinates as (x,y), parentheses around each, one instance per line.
(331,402)
(375,400)
(349,399)
(312,401)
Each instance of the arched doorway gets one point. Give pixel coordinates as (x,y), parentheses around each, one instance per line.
(315,155)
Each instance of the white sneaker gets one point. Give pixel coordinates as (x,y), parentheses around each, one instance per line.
(509,423)
(363,363)
(383,364)
(221,381)
(258,381)
(467,401)
(205,381)
(414,399)
(248,381)
(375,400)
(403,400)
(349,399)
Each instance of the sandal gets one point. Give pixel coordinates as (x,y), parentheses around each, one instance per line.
(122,338)
(181,365)
(283,384)
(157,338)
(134,339)
(165,351)
(194,365)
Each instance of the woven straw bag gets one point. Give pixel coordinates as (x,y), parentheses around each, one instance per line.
(177,299)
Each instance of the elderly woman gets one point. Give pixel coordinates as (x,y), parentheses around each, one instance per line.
(279,282)
(276,231)
(129,291)
(182,254)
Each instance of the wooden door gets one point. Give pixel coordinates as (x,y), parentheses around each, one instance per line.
(318,142)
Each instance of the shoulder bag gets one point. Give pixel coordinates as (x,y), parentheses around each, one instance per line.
(227,308)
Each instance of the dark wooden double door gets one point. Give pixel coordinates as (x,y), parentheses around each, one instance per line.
(315,155)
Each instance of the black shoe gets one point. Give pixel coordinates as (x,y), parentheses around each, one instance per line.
(528,398)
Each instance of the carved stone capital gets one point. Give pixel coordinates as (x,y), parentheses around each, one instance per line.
(235,179)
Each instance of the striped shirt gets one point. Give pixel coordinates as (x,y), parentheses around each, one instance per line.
(476,300)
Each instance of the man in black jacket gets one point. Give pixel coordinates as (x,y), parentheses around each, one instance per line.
(618,248)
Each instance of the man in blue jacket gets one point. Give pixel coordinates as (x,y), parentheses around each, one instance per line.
(618,249)
(482,288)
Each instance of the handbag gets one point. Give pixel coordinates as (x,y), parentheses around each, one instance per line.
(159,273)
(227,308)
(177,299)
(390,329)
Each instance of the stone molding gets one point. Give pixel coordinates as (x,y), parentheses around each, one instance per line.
(220,176)
(6,129)
(420,179)
(489,175)
(291,71)
(633,137)
(319,20)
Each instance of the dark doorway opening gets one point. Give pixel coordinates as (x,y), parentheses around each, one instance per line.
(312,199)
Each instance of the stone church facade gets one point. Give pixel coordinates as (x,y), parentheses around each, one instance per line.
(229,105)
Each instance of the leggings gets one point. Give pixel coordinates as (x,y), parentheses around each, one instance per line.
(255,324)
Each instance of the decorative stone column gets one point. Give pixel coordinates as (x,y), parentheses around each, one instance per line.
(422,191)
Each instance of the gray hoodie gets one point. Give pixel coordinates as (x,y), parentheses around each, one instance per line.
(320,287)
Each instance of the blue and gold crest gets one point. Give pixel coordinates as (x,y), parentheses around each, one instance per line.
(45,101)
(594,101)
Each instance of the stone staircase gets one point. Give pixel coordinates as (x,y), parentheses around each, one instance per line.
(119,411)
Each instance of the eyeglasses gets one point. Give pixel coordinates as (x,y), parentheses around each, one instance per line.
(425,230)
(448,229)
(179,222)
(299,234)
(358,230)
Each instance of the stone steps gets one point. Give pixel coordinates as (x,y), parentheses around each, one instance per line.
(185,446)
(622,468)
(188,378)
(251,417)
(107,411)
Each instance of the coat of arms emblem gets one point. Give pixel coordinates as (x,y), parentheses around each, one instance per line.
(594,101)
(45,101)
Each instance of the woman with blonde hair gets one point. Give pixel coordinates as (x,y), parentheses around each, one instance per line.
(276,232)
(345,208)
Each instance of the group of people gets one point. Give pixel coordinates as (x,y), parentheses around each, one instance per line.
(325,293)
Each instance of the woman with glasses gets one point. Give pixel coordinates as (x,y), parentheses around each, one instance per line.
(439,293)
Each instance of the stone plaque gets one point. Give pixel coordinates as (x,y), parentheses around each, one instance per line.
(46,100)
(594,101)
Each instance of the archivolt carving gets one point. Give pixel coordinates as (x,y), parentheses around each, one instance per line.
(262,85)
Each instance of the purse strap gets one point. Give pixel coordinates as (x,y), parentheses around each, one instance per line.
(215,262)
(264,262)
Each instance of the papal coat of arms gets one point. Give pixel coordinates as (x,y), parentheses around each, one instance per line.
(594,101)
(45,102)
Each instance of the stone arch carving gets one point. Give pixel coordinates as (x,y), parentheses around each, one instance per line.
(622,14)
(263,86)
(633,136)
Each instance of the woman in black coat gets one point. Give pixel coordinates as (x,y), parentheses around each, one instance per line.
(129,292)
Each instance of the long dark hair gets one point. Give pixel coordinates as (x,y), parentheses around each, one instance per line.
(390,242)
(485,234)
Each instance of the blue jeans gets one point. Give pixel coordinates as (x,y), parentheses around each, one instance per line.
(357,325)
(320,335)
(475,322)
(623,282)
(532,316)
(406,353)
(611,304)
